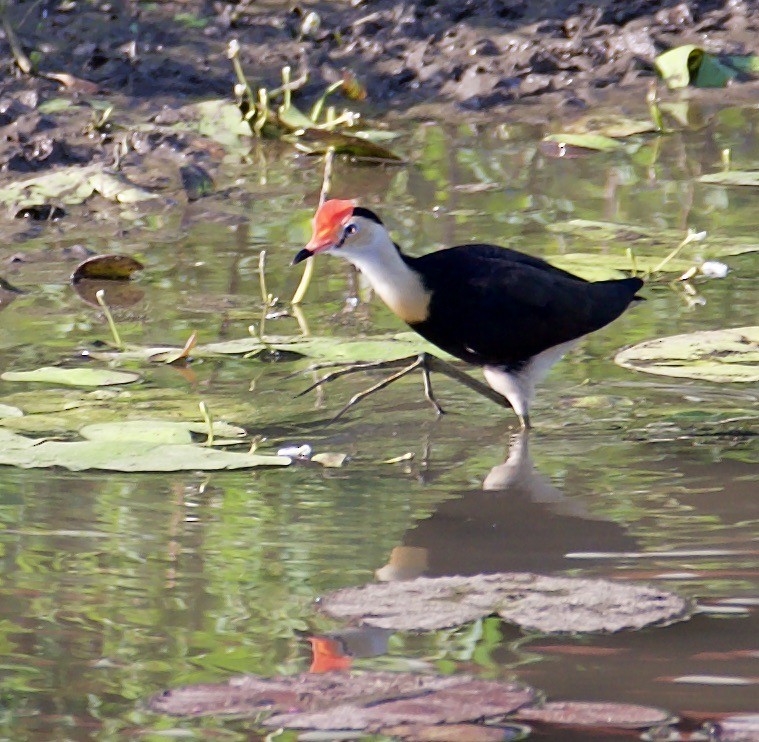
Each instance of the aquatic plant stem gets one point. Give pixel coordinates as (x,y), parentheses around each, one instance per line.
(692,236)
(308,273)
(100,297)
(208,418)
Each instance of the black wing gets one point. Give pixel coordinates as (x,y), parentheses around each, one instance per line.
(492,305)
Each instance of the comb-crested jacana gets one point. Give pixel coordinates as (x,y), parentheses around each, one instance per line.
(512,314)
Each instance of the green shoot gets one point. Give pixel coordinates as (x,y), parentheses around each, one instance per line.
(208,419)
(100,296)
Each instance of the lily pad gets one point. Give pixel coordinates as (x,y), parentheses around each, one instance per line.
(650,241)
(155,431)
(453,733)
(107,267)
(714,355)
(610,124)
(738,728)
(732,178)
(72,376)
(597,142)
(362,701)
(534,602)
(125,456)
(588,714)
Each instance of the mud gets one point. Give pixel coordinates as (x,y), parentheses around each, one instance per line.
(459,57)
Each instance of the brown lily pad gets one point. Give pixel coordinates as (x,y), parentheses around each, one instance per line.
(107,267)
(361,701)
(738,728)
(466,699)
(533,602)
(590,714)
(456,733)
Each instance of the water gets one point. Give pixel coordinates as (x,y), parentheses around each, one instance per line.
(114,586)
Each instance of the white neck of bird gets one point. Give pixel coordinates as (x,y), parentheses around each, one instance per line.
(397,284)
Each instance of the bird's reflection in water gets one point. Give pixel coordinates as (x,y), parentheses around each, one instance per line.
(517,521)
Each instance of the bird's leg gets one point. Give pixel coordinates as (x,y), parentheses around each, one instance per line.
(428,386)
(524,421)
(353,368)
(424,361)
(433,363)
(356,398)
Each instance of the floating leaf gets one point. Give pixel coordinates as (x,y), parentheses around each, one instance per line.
(318,141)
(454,733)
(732,178)
(597,142)
(535,602)
(688,64)
(583,713)
(650,241)
(155,431)
(107,267)
(72,376)
(609,124)
(738,728)
(713,355)
(130,456)
(330,460)
(363,701)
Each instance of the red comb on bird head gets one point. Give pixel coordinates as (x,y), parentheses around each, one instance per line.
(327,221)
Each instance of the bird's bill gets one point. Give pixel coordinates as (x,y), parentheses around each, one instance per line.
(317,244)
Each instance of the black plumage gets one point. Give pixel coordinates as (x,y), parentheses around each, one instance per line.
(494,306)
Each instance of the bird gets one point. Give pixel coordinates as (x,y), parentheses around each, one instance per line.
(511,314)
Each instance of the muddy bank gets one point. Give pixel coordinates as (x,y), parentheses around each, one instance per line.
(472,54)
(442,58)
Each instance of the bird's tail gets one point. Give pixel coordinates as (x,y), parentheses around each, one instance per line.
(630,286)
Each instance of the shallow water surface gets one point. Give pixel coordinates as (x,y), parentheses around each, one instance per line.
(114,586)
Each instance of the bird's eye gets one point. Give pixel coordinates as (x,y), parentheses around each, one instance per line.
(351,229)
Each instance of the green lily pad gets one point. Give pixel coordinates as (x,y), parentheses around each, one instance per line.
(652,241)
(714,355)
(128,456)
(72,376)
(608,124)
(7,410)
(732,178)
(607,266)
(597,142)
(689,64)
(155,431)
